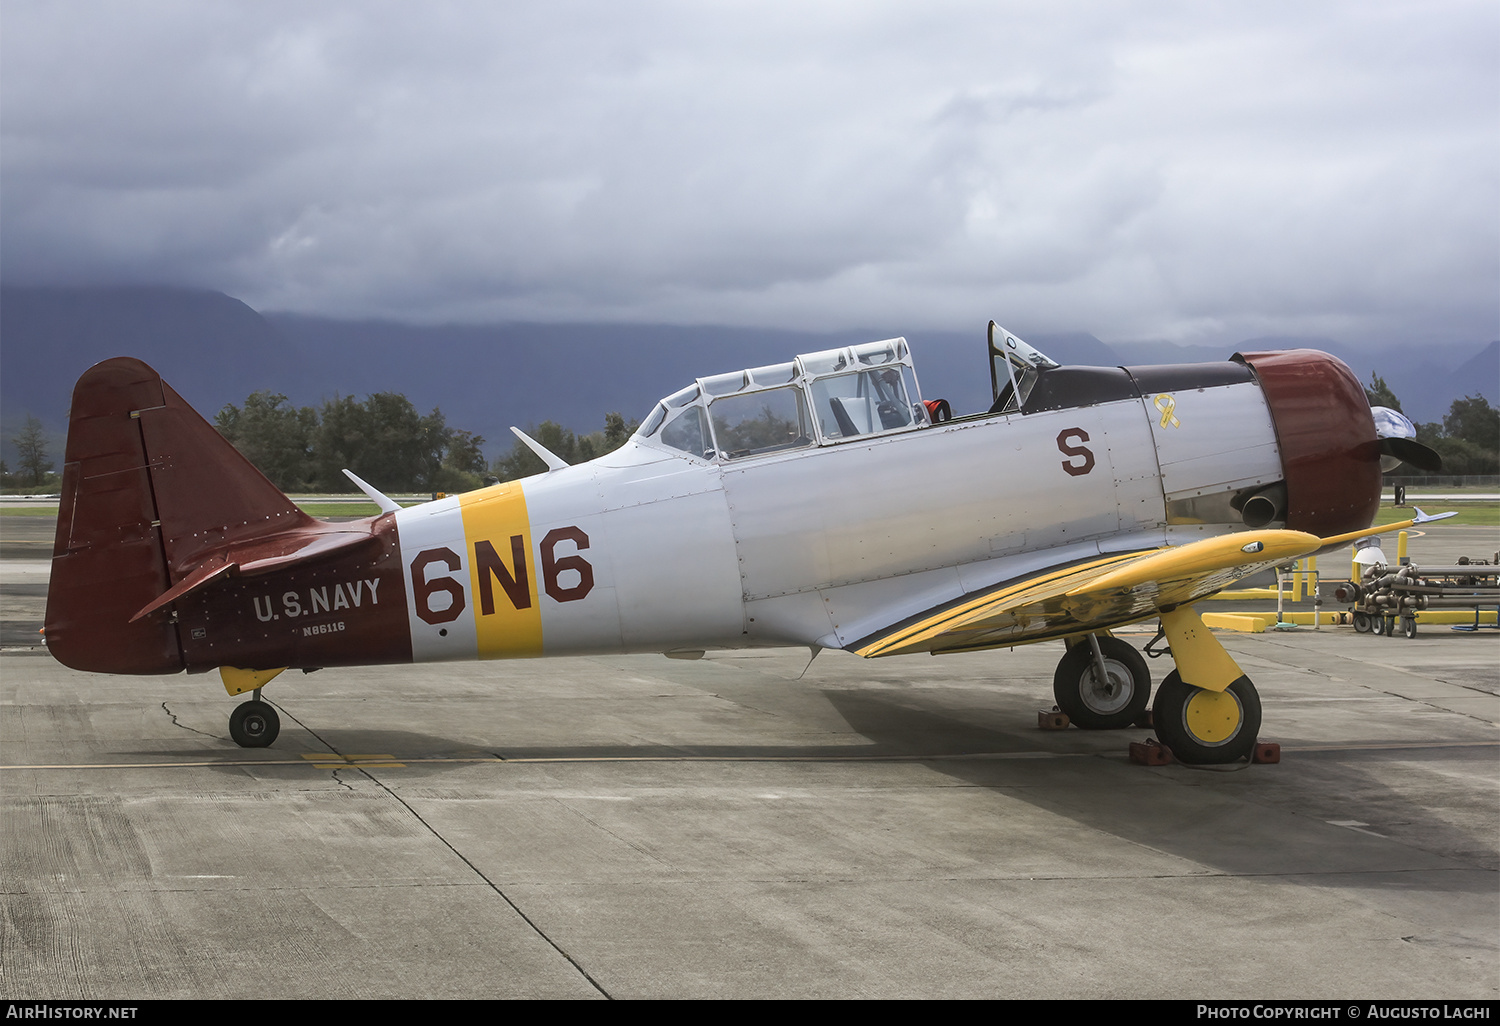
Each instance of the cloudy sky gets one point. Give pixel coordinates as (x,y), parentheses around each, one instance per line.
(1191,171)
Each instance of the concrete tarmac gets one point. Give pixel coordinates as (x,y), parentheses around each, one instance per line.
(639,827)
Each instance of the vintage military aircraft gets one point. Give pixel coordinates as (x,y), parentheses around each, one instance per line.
(818,502)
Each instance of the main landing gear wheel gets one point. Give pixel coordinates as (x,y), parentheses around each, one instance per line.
(1102,705)
(1206,727)
(254,724)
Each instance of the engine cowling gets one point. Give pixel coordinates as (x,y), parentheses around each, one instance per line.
(1326,434)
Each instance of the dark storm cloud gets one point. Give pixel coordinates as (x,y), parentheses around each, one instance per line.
(1191,171)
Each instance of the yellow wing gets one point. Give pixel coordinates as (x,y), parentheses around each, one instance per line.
(1092,595)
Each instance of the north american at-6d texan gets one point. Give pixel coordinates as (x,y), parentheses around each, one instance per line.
(819,502)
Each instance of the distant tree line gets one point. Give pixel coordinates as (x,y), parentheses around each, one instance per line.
(382,439)
(388,443)
(521,462)
(34,465)
(1468,438)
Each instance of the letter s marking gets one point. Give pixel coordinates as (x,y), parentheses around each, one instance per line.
(1075,469)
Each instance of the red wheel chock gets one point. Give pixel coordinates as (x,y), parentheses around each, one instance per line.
(1150,752)
(1052,719)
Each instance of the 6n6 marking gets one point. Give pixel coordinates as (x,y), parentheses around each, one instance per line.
(514,580)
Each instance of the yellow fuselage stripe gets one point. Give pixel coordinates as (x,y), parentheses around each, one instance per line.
(502,577)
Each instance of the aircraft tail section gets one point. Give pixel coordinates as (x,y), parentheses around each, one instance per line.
(151,496)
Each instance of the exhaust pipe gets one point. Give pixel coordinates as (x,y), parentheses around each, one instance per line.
(1264,506)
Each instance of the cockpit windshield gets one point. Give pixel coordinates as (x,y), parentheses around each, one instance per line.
(817,399)
(1014,369)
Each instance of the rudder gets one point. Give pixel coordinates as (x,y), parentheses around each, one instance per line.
(150,490)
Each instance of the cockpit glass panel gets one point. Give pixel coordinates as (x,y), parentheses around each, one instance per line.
(775,374)
(1013,360)
(869,402)
(829,362)
(758,422)
(652,422)
(1025,377)
(913,393)
(677,399)
(725,384)
(872,354)
(688,431)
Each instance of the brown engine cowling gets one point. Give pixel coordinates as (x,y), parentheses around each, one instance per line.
(1329,451)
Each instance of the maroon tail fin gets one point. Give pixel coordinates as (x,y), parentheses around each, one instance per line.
(149,490)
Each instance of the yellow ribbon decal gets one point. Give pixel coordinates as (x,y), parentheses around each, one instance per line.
(1166,404)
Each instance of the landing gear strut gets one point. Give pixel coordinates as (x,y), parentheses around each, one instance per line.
(254,724)
(1110,703)
(1216,719)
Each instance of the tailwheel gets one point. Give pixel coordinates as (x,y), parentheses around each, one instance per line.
(254,724)
(1207,727)
(1108,704)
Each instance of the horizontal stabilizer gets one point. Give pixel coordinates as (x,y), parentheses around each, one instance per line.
(192,582)
(275,553)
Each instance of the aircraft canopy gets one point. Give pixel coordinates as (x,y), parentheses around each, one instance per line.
(817,399)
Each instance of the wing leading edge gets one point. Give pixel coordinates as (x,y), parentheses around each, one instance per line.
(1094,595)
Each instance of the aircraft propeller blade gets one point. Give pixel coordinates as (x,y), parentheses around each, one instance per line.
(1409,450)
(1397,436)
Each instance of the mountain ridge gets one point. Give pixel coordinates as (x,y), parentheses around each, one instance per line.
(215,349)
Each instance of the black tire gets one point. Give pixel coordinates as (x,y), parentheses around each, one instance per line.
(1362,623)
(254,724)
(1111,707)
(1202,728)
(1409,626)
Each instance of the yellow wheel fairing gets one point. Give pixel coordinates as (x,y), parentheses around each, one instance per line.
(1213,717)
(502,572)
(1200,657)
(237,681)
